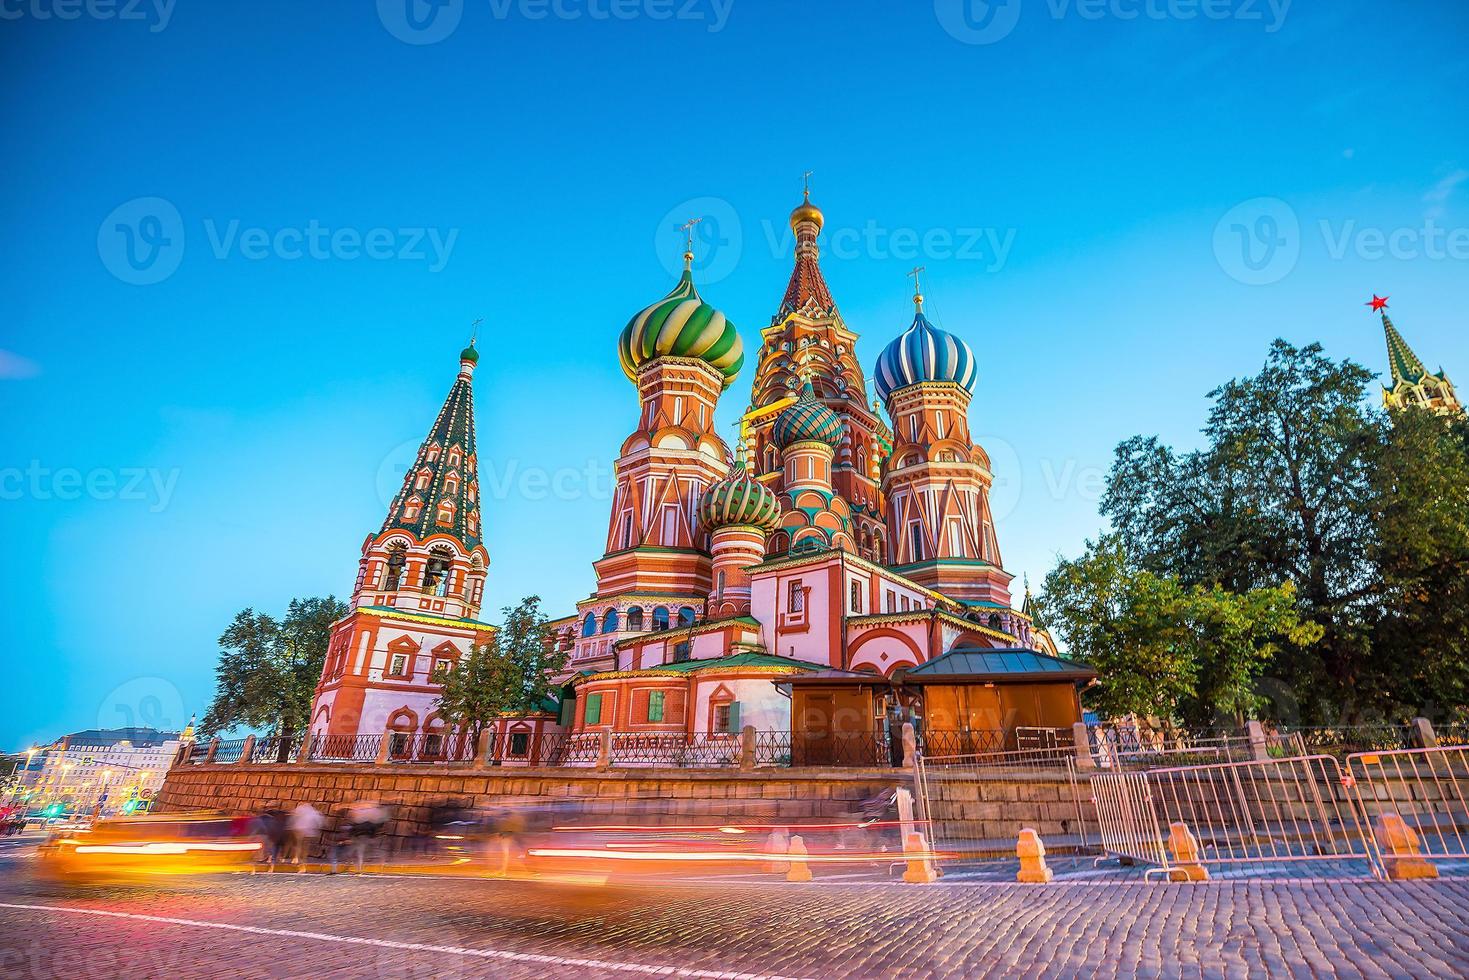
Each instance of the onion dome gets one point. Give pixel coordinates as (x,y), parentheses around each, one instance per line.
(682,325)
(924,353)
(808,420)
(806,211)
(469,354)
(739,499)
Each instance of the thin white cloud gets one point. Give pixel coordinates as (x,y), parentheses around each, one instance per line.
(13,367)
(1438,196)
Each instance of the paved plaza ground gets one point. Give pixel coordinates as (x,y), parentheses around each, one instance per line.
(1091,922)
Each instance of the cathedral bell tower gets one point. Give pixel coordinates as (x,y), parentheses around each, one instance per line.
(937,482)
(420,584)
(1413,385)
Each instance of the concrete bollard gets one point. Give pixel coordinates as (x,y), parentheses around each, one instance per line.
(800,869)
(776,845)
(1423,734)
(1185,848)
(1032,854)
(910,746)
(1082,742)
(1400,853)
(747,748)
(385,747)
(1259,745)
(213,750)
(920,869)
(482,749)
(247,751)
(305,754)
(604,750)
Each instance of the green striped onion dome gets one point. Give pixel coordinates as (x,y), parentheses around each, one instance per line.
(682,325)
(739,499)
(469,354)
(806,421)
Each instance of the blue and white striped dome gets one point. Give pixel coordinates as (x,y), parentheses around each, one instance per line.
(924,353)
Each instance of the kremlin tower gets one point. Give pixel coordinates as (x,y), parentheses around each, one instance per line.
(420,583)
(1413,386)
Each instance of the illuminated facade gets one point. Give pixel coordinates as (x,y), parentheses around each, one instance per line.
(825,541)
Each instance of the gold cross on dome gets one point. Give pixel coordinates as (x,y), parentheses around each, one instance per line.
(688,229)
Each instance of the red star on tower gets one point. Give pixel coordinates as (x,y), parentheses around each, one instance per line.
(1378,303)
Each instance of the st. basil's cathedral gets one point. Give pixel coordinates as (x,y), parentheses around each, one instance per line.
(802,578)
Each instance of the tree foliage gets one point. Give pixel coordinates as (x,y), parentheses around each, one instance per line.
(1165,649)
(268,668)
(1364,514)
(511,674)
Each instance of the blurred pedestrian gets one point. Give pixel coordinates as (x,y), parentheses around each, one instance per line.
(302,828)
(270,828)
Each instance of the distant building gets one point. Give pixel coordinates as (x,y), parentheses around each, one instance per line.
(101,768)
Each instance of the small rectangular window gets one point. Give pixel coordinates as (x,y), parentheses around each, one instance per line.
(443,666)
(594,709)
(400,665)
(520,744)
(727,718)
(891,601)
(655,706)
(856,591)
(681,652)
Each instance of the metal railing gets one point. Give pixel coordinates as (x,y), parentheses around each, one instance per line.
(345,748)
(1125,747)
(228,751)
(952,742)
(430,747)
(1427,788)
(1276,811)
(678,750)
(275,748)
(1343,740)
(967,801)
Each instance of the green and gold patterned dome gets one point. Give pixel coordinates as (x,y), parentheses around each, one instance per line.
(739,499)
(682,325)
(808,420)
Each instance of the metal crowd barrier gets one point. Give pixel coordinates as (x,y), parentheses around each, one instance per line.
(1427,788)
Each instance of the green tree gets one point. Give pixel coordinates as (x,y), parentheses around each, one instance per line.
(1127,623)
(1164,649)
(1302,482)
(268,668)
(511,674)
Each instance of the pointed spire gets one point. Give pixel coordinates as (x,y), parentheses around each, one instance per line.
(807,283)
(1404,363)
(440,493)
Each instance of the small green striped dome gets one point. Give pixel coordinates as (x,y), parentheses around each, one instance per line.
(682,325)
(469,354)
(808,420)
(739,499)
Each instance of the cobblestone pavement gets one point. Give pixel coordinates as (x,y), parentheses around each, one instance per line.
(284,924)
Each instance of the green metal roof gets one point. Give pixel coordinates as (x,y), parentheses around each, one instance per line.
(736,660)
(1001,664)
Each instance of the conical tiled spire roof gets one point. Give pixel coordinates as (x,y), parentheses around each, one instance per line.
(1404,363)
(440,493)
(807,285)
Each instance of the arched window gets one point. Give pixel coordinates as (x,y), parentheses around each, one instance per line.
(412,508)
(420,482)
(446,511)
(719,585)
(635,618)
(660,618)
(994,621)
(609,621)
(589,625)
(686,616)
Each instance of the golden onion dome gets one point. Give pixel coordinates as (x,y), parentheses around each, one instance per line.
(807,211)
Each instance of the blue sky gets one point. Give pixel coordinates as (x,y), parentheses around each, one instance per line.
(1119,205)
